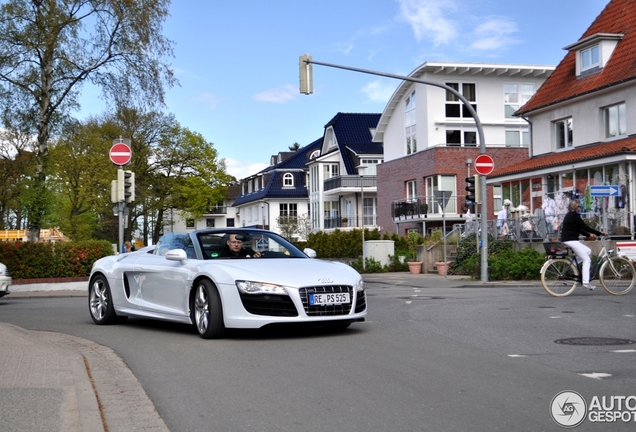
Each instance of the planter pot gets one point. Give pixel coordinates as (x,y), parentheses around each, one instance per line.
(415,267)
(442,267)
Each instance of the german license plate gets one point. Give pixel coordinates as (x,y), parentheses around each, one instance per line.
(329,299)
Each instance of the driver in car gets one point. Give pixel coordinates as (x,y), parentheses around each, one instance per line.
(235,249)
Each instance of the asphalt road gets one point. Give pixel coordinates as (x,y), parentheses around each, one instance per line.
(427,359)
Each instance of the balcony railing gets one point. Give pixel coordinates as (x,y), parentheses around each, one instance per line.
(420,207)
(355,221)
(217,210)
(350,181)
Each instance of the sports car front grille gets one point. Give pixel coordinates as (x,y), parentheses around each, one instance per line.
(269,305)
(319,310)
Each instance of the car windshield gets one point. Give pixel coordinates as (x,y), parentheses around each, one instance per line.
(246,244)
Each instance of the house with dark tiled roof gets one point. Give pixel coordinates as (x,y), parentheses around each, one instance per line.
(583,127)
(278,192)
(431,139)
(342,174)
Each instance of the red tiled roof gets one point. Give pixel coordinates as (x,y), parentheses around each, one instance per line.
(618,17)
(588,152)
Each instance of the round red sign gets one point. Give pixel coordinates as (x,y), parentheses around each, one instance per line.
(484,164)
(120,154)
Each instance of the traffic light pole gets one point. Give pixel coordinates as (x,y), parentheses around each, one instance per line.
(307,88)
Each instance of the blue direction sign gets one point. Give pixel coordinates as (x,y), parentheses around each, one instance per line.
(610,190)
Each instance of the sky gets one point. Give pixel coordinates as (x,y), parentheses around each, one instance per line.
(237,61)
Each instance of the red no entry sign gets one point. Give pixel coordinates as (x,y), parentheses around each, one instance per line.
(484,164)
(120,154)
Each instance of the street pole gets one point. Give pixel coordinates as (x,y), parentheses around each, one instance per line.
(480,132)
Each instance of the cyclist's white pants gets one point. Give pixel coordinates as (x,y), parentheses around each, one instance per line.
(583,253)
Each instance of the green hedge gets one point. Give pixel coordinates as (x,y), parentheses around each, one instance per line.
(27,260)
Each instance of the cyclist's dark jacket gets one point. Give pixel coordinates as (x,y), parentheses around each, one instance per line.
(573,226)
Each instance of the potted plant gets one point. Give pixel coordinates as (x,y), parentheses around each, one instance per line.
(423,208)
(413,240)
(442,267)
(345,222)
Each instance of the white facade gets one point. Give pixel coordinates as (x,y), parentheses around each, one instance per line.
(432,120)
(588,122)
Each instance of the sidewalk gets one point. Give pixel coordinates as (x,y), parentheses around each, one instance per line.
(57,382)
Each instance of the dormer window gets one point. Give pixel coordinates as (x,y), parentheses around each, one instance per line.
(590,58)
(593,52)
(288,180)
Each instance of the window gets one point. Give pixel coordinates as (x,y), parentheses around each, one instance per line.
(410,124)
(615,121)
(441,183)
(455,108)
(460,137)
(288,180)
(563,129)
(189,223)
(229,222)
(209,223)
(515,96)
(330,170)
(370,165)
(288,209)
(517,138)
(411,190)
(590,58)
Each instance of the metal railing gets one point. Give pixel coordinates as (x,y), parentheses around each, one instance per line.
(350,181)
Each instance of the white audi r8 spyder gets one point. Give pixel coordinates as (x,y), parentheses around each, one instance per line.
(225,278)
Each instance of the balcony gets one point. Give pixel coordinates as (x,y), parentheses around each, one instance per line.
(217,211)
(355,221)
(421,208)
(351,182)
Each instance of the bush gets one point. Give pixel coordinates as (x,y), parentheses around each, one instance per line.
(27,260)
(504,263)
(371,266)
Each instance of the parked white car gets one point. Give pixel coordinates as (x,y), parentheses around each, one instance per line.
(226,278)
(5,280)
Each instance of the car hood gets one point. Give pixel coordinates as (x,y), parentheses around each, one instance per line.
(294,272)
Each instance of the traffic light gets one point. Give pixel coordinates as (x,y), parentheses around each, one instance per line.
(114,192)
(306,74)
(470,188)
(129,186)
(478,194)
(123,189)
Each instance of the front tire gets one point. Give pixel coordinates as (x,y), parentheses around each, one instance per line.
(559,277)
(207,310)
(100,302)
(617,276)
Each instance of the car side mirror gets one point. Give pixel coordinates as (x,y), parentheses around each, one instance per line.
(309,252)
(177,255)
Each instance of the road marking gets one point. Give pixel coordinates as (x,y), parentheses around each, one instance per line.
(517,355)
(624,351)
(408,302)
(596,375)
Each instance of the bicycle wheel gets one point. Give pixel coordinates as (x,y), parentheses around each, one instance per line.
(617,275)
(559,277)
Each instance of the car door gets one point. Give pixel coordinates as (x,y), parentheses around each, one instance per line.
(160,286)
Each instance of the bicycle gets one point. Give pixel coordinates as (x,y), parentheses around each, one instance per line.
(561,273)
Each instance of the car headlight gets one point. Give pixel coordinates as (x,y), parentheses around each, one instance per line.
(359,287)
(250,287)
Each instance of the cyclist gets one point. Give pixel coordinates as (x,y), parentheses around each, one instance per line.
(571,228)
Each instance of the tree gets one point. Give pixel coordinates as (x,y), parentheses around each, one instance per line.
(49,48)
(186,175)
(80,177)
(294,147)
